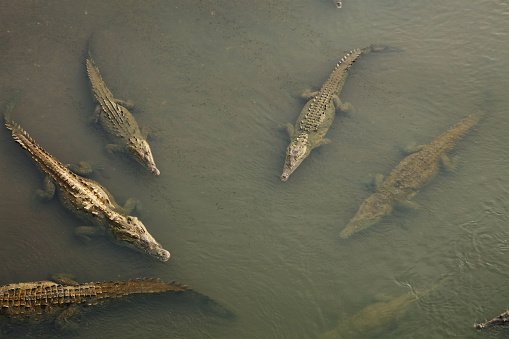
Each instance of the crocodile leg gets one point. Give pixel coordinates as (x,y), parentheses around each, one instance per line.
(379,178)
(345,107)
(449,164)
(111,148)
(309,95)
(412,148)
(84,168)
(289,129)
(64,279)
(62,321)
(97,114)
(48,190)
(145,131)
(85,232)
(127,104)
(323,141)
(130,205)
(410,204)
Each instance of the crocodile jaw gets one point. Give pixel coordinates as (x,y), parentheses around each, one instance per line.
(131,231)
(140,149)
(371,211)
(296,152)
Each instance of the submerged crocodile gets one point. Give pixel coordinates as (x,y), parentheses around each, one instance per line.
(317,115)
(118,122)
(86,198)
(408,177)
(376,317)
(58,300)
(502,319)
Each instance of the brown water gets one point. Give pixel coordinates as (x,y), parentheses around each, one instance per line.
(215,81)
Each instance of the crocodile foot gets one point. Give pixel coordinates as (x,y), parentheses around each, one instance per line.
(48,190)
(412,148)
(84,168)
(85,232)
(308,94)
(62,321)
(64,279)
(132,204)
(449,164)
(127,104)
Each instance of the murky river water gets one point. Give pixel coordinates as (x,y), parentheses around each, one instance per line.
(216,81)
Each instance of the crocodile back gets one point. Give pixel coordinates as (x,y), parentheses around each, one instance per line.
(420,167)
(333,85)
(26,299)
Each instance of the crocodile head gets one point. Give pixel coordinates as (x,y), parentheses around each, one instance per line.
(297,151)
(140,149)
(131,231)
(371,211)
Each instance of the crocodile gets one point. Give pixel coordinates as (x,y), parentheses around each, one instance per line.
(118,122)
(502,319)
(87,198)
(375,317)
(317,115)
(412,173)
(59,299)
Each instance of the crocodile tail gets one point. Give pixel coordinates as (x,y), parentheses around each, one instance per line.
(19,134)
(339,73)
(37,152)
(458,130)
(115,289)
(472,119)
(347,60)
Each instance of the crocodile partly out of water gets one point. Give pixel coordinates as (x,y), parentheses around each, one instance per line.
(408,177)
(502,319)
(317,115)
(57,300)
(118,122)
(87,199)
(376,317)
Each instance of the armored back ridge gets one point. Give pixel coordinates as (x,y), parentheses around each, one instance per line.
(46,297)
(412,173)
(88,199)
(118,122)
(318,114)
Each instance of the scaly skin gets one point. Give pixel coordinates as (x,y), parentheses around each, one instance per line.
(412,173)
(87,198)
(375,317)
(502,319)
(118,122)
(317,115)
(47,300)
